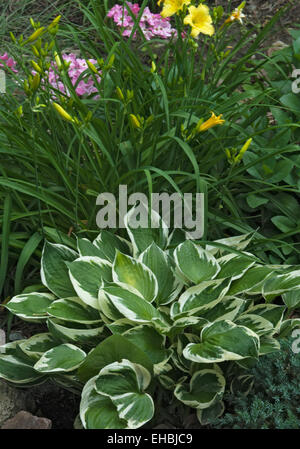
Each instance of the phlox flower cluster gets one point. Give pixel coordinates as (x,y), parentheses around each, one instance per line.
(8,62)
(152,25)
(75,69)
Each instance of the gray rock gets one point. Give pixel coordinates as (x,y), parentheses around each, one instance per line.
(25,420)
(11,401)
(2,338)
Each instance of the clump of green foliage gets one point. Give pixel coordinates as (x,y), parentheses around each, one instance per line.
(273,403)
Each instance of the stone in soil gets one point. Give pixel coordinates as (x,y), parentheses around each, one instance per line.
(25,420)
(11,401)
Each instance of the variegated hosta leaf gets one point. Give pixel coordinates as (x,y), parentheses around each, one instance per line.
(257,323)
(195,263)
(268,344)
(134,307)
(78,333)
(188,321)
(234,266)
(281,283)
(142,237)
(62,358)
(106,307)
(87,248)
(292,299)
(287,327)
(31,306)
(108,244)
(204,388)
(73,309)
(127,270)
(35,346)
(253,278)
(125,384)
(238,242)
(54,272)
(223,340)
(86,274)
(98,411)
(17,367)
(120,326)
(270,312)
(160,264)
(201,297)
(151,343)
(112,349)
(205,416)
(227,309)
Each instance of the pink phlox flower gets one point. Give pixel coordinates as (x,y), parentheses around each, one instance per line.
(8,62)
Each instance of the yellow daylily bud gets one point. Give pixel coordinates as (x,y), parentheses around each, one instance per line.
(12,36)
(36,66)
(32,22)
(120,94)
(35,82)
(244,148)
(89,116)
(57,60)
(153,67)
(110,62)
(26,86)
(54,22)
(36,34)
(62,112)
(92,67)
(35,51)
(134,121)
(129,94)
(19,112)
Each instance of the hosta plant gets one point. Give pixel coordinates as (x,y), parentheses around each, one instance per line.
(128,318)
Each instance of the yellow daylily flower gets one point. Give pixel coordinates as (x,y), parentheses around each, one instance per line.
(200,20)
(235,15)
(212,121)
(173,6)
